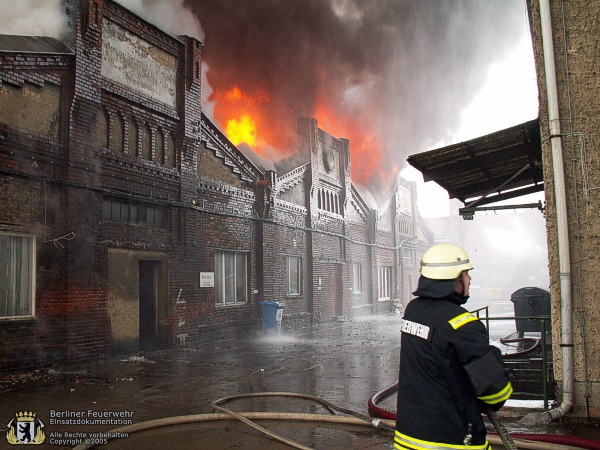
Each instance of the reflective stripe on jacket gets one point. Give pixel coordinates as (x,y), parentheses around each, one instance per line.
(402,441)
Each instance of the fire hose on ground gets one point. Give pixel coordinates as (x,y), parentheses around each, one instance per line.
(524,441)
(350,418)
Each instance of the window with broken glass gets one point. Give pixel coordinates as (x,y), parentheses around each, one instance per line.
(17,277)
(231,277)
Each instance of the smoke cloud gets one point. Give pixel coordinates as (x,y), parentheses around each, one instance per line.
(33,18)
(392,76)
(169,15)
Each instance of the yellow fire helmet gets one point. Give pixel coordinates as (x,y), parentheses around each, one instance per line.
(444,262)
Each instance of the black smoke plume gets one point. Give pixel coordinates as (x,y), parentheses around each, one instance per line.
(402,69)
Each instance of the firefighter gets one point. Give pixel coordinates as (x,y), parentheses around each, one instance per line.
(449,373)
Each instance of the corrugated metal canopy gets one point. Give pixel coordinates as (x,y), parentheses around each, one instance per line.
(507,163)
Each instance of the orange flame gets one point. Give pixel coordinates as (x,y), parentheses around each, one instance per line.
(242,130)
(249,120)
(365,147)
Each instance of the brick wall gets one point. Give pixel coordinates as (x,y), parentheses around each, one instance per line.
(114,145)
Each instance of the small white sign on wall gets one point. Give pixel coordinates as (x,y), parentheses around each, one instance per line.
(207,279)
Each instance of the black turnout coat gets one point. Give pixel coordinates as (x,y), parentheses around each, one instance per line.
(448,373)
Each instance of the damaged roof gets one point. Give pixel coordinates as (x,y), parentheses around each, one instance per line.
(503,165)
(32,44)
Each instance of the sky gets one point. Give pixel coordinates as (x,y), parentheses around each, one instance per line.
(508,97)
(395,77)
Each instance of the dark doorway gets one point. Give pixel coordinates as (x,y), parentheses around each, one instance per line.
(148,290)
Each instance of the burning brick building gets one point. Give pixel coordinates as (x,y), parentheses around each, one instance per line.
(129,221)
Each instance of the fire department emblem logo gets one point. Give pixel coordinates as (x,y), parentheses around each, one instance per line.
(25,428)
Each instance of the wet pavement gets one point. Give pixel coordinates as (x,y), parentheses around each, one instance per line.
(343,363)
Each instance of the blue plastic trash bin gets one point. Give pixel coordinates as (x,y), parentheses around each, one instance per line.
(272,314)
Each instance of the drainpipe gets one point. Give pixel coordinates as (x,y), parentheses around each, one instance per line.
(561,216)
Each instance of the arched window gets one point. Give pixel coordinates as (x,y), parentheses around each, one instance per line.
(117,134)
(102,128)
(160,154)
(132,141)
(146,142)
(170,151)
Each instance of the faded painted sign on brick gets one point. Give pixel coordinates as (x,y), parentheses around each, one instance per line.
(135,63)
